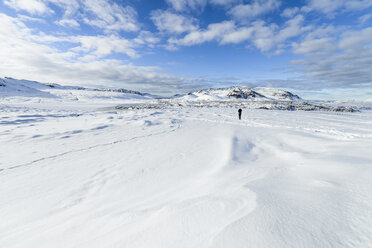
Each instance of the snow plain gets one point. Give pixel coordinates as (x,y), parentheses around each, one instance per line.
(89,175)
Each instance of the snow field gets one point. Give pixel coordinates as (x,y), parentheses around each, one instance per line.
(184,177)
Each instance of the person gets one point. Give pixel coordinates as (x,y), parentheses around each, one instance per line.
(240,114)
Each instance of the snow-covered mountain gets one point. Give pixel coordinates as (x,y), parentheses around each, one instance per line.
(20,91)
(10,87)
(240,92)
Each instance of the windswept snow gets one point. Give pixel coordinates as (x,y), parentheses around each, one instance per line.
(183,177)
(116,168)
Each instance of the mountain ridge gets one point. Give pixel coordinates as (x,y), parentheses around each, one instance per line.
(29,88)
(10,87)
(240,92)
(20,91)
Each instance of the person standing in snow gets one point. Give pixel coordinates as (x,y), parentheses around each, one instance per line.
(240,114)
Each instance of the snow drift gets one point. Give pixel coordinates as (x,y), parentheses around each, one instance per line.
(183,177)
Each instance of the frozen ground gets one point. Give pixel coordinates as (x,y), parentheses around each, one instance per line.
(80,176)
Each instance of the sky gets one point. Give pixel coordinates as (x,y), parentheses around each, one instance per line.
(320,49)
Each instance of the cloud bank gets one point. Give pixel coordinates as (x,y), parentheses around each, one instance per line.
(101,42)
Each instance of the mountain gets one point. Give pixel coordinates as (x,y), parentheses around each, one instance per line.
(239,92)
(21,91)
(10,87)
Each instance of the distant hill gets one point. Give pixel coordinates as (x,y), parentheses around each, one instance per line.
(21,91)
(10,87)
(239,92)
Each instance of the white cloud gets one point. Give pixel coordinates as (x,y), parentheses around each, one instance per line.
(69,7)
(185,5)
(256,8)
(343,62)
(355,40)
(30,55)
(30,6)
(215,31)
(330,53)
(110,16)
(169,22)
(357,4)
(104,14)
(237,36)
(271,36)
(292,28)
(313,46)
(330,7)
(100,46)
(323,31)
(68,23)
(264,36)
(224,2)
(364,18)
(290,12)
(326,6)
(320,41)
(146,38)
(29,18)
(198,5)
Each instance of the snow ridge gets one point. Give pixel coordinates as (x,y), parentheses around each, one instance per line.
(240,92)
(11,87)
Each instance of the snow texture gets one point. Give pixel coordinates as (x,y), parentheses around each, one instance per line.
(91,175)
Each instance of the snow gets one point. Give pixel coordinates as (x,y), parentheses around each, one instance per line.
(86,174)
(14,90)
(242,92)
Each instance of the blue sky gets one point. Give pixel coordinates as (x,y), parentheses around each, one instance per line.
(316,48)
